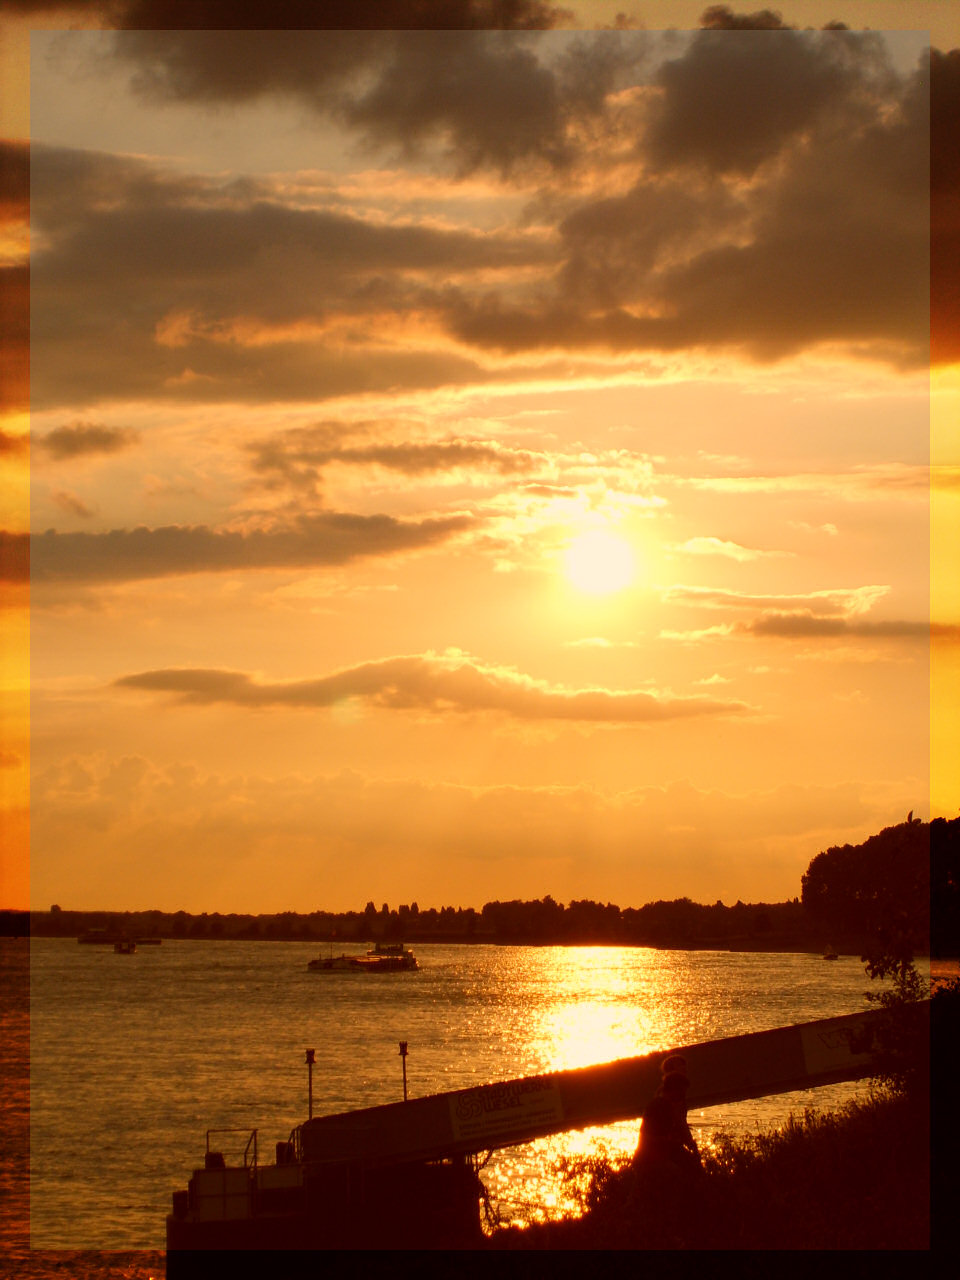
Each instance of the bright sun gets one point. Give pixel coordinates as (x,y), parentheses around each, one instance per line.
(599,563)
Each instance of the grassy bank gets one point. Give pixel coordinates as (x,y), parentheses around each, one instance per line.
(855,1179)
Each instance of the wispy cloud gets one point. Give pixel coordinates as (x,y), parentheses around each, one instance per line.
(832,613)
(599,642)
(299,456)
(85,438)
(73,505)
(328,538)
(844,600)
(806,625)
(708,546)
(855,484)
(803,624)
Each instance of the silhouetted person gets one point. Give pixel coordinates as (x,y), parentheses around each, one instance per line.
(667,1166)
(665,1137)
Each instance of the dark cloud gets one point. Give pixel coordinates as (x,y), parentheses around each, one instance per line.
(14,337)
(827,243)
(805,625)
(156,222)
(73,505)
(299,456)
(720,17)
(14,180)
(835,613)
(317,541)
(14,557)
(84,438)
(306,15)
(613,248)
(945,206)
(434,85)
(735,99)
(945,122)
(398,91)
(159,284)
(434,684)
(13,445)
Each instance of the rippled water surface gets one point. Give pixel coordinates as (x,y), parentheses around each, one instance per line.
(133,1058)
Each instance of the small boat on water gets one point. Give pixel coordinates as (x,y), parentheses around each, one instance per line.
(388,957)
(125,946)
(383,957)
(110,938)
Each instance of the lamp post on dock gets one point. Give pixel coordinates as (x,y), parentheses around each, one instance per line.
(403,1059)
(311,1055)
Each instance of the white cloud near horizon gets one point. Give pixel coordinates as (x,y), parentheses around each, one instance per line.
(334,840)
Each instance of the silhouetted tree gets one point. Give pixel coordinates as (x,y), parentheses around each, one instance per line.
(878,890)
(945,886)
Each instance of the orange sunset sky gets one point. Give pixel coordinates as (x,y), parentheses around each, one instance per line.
(473,464)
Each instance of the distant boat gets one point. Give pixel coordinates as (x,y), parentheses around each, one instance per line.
(388,957)
(384,957)
(110,938)
(829,952)
(125,946)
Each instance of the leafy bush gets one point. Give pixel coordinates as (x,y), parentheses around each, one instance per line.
(857,1178)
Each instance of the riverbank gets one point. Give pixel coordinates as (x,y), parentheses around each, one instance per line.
(429,927)
(855,1179)
(680,924)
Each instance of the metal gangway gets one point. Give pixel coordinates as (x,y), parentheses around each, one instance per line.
(490,1116)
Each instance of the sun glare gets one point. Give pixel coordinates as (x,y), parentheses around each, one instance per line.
(599,562)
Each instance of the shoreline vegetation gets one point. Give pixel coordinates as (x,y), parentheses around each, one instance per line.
(856,1178)
(850,895)
(678,924)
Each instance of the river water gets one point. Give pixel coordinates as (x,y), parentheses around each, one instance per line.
(133,1058)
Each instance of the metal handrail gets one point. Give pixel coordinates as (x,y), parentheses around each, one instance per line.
(246,1151)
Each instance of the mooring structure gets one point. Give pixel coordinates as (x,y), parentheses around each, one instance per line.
(404,1174)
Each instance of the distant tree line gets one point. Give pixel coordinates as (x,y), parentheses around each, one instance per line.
(851,895)
(541,921)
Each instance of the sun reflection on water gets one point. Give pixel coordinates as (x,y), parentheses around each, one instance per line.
(605,1003)
(598,1004)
